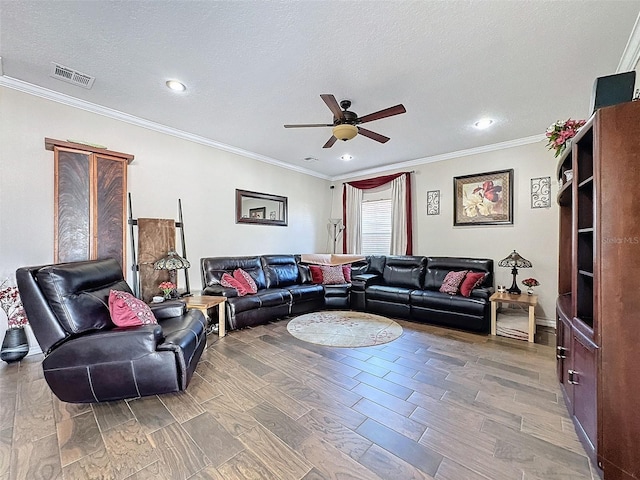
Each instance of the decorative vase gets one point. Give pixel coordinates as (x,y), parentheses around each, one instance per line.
(530,291)
(15,345)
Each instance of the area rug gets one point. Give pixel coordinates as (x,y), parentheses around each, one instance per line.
(344,329)
(513,326)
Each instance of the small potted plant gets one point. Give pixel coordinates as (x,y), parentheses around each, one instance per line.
(168,290)
(15,345)
(559,133)
(530,283)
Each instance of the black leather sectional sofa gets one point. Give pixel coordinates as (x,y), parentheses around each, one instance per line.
(395,286)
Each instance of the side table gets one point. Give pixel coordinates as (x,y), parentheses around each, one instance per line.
(204,303)
(523,299)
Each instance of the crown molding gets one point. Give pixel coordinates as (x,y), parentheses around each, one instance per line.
(631,54)
(68,100)
(445,156)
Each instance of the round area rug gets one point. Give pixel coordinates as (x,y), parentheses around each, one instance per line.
(344,329)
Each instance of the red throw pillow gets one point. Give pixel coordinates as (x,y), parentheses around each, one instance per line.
(316,274)
(128,311)
(332,275)
(471,281)
(346,271)
(229,282)
(452,281)
(246,281)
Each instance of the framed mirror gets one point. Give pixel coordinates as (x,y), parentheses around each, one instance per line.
(260,208)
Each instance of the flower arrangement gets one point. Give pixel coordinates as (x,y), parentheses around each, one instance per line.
(559,132)
(167,288)
(530,282)
(12,306)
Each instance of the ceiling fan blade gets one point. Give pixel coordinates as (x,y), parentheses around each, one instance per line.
(387,112)
(331,102)
(305,125)
(373,135)
(330,142)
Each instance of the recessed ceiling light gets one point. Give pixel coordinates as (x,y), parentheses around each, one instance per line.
(346,157)
(176,85)
(483,123)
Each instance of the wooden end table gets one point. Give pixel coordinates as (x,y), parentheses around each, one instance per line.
(204,303)
(523,299)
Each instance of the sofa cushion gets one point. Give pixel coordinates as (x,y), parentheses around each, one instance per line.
(245,280)
(303,293)
(438,267)
(430,299)
(471,281)
(346,272)
(405,271)
(280,270)
(332,275)
(230,282)
(264,298)
(129,311)
(452,281)
(387,293)
(316,274)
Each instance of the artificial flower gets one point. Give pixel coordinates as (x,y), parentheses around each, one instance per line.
(530,282)
(560,132)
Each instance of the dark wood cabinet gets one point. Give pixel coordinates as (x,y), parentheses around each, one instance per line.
(598,308)
(90,202)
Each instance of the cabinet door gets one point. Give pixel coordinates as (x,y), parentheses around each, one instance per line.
(110,208)
(72,206)
(583,378)
(563,354)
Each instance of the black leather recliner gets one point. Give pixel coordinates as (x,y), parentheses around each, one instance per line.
(89,359)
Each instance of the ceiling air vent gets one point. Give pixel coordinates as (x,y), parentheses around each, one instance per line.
(70,75)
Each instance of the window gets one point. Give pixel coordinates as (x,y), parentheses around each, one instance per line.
(376,227)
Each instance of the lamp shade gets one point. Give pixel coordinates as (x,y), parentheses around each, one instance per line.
(172,261)
(345,131)
(515,260)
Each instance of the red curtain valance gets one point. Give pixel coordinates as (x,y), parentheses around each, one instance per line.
(375,182)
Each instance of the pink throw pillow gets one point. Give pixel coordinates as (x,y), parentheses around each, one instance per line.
(316,274)
(246,280)
(229,282)
(128,311)
(346,271)
(452,281)
(471,281)
(332,275)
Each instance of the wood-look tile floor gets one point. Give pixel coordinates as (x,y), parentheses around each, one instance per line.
(433,404)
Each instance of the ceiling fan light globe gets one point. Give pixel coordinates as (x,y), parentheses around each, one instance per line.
(345,131)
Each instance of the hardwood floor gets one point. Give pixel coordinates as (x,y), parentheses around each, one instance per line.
(433,404)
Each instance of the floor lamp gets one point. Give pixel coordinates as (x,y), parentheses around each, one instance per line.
(336,224)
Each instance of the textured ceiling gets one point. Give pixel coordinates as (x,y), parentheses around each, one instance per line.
(252,66)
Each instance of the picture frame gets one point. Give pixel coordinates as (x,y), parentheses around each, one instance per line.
(258,213)
(483,199)
(433,202)
(541,192)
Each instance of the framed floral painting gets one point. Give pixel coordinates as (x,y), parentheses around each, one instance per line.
(483,199)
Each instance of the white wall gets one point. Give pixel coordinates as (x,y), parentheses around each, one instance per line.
(534,233)
(165,168)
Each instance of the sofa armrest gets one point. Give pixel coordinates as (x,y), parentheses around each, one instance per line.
(220,291)
(168,309)
(362,281)
(106,346)
(482,292)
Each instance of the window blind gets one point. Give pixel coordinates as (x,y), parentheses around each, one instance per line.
(376,227)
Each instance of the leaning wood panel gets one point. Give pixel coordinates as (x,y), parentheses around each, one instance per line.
(109,235)
(72,210)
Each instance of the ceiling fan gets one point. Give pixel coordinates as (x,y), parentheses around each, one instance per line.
(345,123)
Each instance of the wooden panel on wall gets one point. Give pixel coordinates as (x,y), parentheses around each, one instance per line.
(111,180)
(72,205)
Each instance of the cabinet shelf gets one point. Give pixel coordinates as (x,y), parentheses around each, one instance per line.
(565,194)
(585,273)
(586,181)
(585,230)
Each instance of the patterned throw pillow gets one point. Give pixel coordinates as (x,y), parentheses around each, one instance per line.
(246,280)
(332,275)
(229,282)
(316,274)
(471,281)
(128,311)
(452,281)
